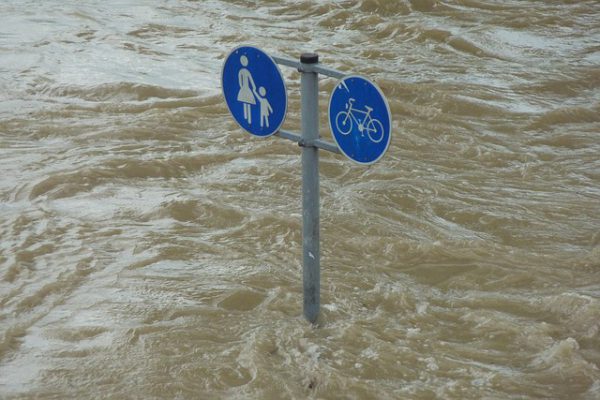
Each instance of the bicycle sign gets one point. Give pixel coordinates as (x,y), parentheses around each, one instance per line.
(360,119)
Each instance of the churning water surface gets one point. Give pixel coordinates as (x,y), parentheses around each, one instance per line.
(151,249)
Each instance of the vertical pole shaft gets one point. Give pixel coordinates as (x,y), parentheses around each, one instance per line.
(310,189)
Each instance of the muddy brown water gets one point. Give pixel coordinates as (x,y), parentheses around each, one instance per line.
(151,249)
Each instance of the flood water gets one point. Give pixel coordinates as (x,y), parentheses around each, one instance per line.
(152,249)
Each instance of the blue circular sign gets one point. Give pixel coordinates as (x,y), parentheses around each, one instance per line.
(254,90)
(360,119)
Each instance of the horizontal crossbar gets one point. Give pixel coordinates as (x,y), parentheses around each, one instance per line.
(321,144)
(288,62)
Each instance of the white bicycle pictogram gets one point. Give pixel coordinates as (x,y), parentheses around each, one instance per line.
(345,120)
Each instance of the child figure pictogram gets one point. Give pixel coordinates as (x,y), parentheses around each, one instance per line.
(265,107)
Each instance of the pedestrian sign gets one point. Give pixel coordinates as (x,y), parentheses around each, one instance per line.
(360,119)
(254,90)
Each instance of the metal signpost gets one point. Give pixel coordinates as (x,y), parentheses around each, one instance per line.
(359,118)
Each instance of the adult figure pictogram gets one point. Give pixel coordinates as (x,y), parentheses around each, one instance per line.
(247,89)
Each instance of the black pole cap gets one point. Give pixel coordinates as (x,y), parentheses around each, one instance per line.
(309,58)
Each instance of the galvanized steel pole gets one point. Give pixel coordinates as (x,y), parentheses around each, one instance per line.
(309,91)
